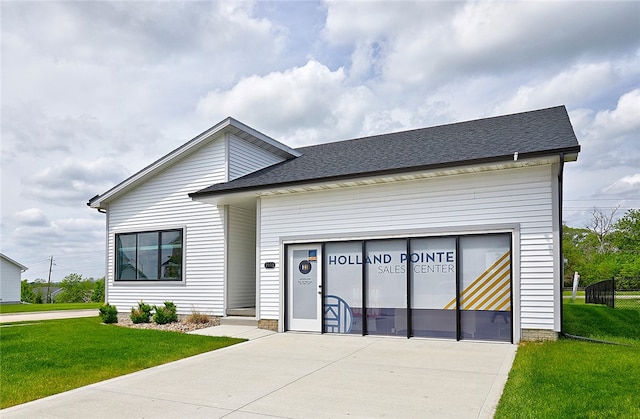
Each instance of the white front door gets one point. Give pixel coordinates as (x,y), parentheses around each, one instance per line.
(304,288)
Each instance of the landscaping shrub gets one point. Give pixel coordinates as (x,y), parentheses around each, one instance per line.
(166,314)
(197,318)
(142,314)
(109,314)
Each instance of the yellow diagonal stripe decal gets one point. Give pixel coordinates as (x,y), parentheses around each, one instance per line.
(490,291)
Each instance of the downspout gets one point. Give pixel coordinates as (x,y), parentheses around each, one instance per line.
(560,224)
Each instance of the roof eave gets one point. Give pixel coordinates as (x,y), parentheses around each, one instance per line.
(20,265)
(569,153)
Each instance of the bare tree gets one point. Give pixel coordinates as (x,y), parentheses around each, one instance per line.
(602,225)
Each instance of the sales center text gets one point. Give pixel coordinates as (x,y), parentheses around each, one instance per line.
(426,262)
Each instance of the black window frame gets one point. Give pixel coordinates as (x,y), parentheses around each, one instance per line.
(118,277)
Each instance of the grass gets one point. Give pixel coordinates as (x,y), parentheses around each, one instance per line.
(49,357)
(570,378)
(24,308)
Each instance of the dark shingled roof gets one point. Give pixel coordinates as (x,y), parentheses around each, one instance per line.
(531,134)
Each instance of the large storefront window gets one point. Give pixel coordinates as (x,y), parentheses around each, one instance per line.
(386,286)
(485,292)
(343,288)
(456,287)
(433,287)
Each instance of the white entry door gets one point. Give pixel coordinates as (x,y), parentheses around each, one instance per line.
(304,288)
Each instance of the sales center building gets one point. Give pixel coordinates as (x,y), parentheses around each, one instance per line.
(451,231)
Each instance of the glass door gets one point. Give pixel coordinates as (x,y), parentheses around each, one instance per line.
(304,288)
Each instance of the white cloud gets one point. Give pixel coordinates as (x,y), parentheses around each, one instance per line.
(626,186)
(610,137)
(72,181)
(32,217)
(299,105)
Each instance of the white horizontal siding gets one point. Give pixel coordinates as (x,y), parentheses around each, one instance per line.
(520,196)
(161,203)
(245,158)
(10,282)
(241,260)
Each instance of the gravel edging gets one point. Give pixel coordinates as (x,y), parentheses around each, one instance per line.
(181,326)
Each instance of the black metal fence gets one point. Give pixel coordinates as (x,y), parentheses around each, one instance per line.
(613,294)
(603,292)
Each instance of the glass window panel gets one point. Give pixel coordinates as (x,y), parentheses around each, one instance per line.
(148,255)
(386,287)
(485,299)
(171,254)
(126,255)
(343,288)
(433,287)
(305,286)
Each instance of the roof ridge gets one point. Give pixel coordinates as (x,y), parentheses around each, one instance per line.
(433,127)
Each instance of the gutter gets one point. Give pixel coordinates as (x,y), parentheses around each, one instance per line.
(560,224)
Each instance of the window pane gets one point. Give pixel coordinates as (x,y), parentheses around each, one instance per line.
(305,286)
(171,254)
(343,288)
(386,287)
(126,255)
(148,255)
(433,287)
(485,299)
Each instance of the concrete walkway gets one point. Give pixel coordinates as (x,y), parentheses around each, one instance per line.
(293,375)
(47,315)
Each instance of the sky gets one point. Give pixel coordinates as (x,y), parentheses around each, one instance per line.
(92,92)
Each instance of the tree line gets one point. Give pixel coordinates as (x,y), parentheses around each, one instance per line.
(72,289)
(604,249)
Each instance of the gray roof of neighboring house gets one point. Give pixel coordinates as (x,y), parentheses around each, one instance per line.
(531,134)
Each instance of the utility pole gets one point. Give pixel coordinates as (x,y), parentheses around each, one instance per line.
(48,300)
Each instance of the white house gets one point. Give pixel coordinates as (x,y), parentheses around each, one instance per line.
(10,272)
(451,231)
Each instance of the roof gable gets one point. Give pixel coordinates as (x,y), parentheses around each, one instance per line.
(228,125)
(530,134)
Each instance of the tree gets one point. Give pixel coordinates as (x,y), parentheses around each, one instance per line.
(75,289)
(626,240)
(26,292)
(627,232)
(602,225)
(98,291)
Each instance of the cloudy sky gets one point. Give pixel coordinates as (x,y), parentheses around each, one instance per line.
(94,91)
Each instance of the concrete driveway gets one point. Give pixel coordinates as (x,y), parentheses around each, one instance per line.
(292,375)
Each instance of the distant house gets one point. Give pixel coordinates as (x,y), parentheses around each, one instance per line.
(451,231)
(10,277)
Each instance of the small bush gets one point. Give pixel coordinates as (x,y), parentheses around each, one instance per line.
(197,318)
(142,314)
(109,314)
(166,314)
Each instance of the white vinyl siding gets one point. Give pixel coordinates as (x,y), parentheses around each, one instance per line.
(163,203)
(10,286)
(464,202)
(241,260)
(245,158)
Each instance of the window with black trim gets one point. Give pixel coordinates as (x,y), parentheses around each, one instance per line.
(149,256)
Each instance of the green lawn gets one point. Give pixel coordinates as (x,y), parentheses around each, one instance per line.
(49,357)
(571,378)
(24,308)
